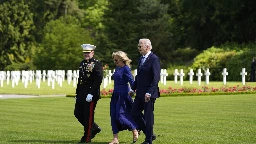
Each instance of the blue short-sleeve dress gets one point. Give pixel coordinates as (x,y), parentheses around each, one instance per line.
(121,102)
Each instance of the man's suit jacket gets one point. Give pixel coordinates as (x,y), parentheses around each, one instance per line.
(147,78)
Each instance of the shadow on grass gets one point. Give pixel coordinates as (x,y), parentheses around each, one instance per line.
(53,141)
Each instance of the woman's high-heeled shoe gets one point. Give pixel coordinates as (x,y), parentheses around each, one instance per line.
(135,136)
(114,142)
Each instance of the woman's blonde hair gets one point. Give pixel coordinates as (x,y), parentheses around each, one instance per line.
(123,57)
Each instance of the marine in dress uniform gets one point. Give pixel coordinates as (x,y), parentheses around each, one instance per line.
(88,92)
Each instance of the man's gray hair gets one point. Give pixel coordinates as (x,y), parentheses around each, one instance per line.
(146,42)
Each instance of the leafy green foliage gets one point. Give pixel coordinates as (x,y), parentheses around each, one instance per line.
(126,22)
(214,59)
(172,26)
(205,23)
(235,64)
(16,26)
(60,48)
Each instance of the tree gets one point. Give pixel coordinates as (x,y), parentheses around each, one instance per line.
(61,45)
(126,21)
(201,24)
(47,10)
(16,25)
(153,23)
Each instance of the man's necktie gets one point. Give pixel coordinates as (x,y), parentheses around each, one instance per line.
(142,61)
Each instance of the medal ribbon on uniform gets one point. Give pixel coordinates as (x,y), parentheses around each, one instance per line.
(89,68)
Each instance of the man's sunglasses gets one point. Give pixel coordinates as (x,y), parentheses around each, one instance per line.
(139,46)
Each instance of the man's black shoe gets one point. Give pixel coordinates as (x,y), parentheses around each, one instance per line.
(83,140)
(145,142)
(95,131)
(153,137)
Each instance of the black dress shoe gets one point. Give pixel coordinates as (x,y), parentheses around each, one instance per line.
(83,140)
(153,137)
(145,142)
(95,131)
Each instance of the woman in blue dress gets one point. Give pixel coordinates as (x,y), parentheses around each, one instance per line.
(121,102)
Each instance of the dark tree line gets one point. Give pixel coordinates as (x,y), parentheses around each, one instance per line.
(47,34)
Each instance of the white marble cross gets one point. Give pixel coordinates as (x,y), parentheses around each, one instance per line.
(48,75)
(1,78)
(31,76)
(135,73)
(69,76)
(109,76)
(44,75)
(199,75)
(23,75)
(38,78)
(105,82)
(191,73)
(75,77)
(61,77)
(25,78)
(207,74)
(164,74)
(224,73)
(161,76)
(181,76)
(13,78)
(8,77)
(176,74)
(17,77)
(243,73)
(53,78)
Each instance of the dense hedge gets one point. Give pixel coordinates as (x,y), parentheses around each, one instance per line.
(232,56)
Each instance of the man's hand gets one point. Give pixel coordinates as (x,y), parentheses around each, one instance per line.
(131,93)
(89,98)
(147,97)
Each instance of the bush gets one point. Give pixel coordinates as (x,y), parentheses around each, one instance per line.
(232,56)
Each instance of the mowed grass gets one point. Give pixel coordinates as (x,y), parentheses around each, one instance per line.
(69,89)
(229,119)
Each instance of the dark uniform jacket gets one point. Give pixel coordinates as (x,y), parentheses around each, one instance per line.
(89,80)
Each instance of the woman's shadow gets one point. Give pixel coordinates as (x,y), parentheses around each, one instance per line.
(53,141)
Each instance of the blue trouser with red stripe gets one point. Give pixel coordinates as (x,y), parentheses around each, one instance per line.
(84,112)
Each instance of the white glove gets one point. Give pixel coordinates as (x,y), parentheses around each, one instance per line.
(89,98)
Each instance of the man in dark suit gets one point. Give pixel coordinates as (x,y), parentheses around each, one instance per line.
(253,68)
(88,92)
(147,90)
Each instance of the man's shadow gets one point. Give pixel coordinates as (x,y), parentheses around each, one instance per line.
(53,141)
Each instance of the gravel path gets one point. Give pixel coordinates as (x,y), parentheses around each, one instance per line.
(6,96)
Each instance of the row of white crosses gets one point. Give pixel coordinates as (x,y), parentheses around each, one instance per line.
(59,76)
(207,74)
(199,74)
(28,76)
(163,75)
(73,75)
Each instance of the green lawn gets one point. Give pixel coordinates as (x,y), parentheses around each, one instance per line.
(69,89)
(229,119)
